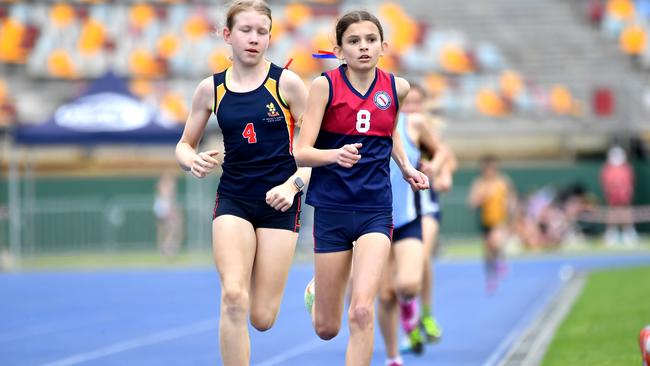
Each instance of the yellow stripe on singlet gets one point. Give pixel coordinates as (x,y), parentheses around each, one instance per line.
(219,93)
(272,86)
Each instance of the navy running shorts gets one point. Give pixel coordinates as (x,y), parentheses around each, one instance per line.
(411,230)
(336,230)
(259,213)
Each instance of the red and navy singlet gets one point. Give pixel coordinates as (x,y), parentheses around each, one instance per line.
(257,129)
(350,118)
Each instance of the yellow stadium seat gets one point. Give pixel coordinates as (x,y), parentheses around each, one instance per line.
(168,45)
(174,106)
(12,33)
(297,14)
(391,12)
(62,15)
(141,15)
(489,103)
(453,59)
(435,84)
(219,60)
(511,83)
(143,64)
(278,31)
(620,9)
(60,64)
(404,36)
(303,63)
(323,41)
(141,87)
(196,27)
(92,37)
(561,100)
(633,40)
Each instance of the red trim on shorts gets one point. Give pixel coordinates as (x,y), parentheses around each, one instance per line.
(296,222)
(216,204)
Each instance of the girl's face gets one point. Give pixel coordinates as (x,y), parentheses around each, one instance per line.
(414,102)
(249,37)
(361,46)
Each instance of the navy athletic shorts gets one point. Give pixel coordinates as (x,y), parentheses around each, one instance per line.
(259,213)
(412,229)
(336,230)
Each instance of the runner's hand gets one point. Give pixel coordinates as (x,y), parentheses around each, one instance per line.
(203,163)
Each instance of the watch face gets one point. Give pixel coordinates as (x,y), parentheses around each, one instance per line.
(299,183)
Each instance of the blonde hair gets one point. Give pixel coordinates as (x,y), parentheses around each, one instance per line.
(239,6)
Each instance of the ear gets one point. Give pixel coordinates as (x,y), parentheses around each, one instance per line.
(338,51)
(384,48)
(226,35)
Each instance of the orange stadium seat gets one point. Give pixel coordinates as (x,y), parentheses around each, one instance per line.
(511,84)
(490,103)
(196,27)
(168,45)
(12,34)
(91,40)
(62,15)
(633,40)
(141,15)
(141,88)
(142,63)
(278,31)
(297,14)
(61,65)
(620,9)
(454,59)
(303,63)
(435,84)
(174,106)
(323,41)
(561,100)
(219,59)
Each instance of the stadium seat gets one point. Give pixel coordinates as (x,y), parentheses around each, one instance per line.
(61,65)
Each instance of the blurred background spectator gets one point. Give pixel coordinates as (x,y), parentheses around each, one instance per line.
(617,179)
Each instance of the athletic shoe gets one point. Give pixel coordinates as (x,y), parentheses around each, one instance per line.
(309,296)
(432,331)
(414,343)
(395,363)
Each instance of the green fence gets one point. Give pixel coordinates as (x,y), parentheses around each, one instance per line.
(116,214)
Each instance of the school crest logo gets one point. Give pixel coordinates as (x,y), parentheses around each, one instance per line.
(272,111)
(382,100)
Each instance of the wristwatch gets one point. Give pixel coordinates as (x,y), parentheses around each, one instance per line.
(298,183)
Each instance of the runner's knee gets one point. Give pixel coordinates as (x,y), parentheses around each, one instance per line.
(361,316)
(234,302)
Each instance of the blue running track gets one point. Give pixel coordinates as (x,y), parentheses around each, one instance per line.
(169,317)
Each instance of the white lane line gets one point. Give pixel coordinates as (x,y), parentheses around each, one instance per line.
(164,336)
(291,353)
(52,327)
(529,316)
